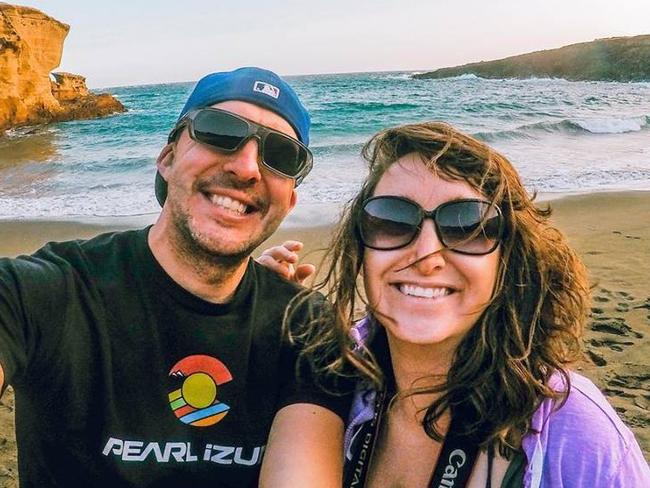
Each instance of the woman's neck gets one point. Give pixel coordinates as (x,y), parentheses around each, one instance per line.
(417,367)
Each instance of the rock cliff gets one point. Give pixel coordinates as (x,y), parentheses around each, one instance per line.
(613,59)
(31,45)
(67,87)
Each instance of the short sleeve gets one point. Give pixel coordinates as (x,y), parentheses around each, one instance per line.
(30,292)
(305,382)
(13,341)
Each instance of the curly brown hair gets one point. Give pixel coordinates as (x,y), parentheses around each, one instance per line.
(532,326)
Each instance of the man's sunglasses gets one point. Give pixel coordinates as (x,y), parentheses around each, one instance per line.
(464,226)
(227,132)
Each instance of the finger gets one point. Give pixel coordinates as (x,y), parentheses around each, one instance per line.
(282,268)
(293,245)
(303,272)
(281,253)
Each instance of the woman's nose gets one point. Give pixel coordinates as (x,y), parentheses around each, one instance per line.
(428,249)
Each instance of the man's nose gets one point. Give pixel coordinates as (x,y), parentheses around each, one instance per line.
(244,162)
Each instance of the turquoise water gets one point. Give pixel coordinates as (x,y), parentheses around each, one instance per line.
(562,136)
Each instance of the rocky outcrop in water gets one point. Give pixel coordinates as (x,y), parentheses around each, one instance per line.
(31,45)
(613,59)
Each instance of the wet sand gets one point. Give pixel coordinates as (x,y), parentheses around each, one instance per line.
(611,231)
(612,234)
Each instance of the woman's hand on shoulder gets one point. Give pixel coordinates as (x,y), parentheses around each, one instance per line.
(283,260)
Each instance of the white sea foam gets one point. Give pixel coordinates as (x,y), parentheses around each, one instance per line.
(463,77)
(402,76)
(613,125)
(98,202)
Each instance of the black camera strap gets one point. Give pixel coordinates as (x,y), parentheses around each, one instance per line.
(456,459)
(452,470)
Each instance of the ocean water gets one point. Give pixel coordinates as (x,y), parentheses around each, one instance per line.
(562,137)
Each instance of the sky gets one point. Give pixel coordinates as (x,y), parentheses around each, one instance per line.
(131,42)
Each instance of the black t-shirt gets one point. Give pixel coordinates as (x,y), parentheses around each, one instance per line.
(123,378)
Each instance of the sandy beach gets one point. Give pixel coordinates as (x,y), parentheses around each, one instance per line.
(610,230)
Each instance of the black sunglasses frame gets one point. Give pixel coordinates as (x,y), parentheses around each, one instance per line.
(254,130)
(432,214)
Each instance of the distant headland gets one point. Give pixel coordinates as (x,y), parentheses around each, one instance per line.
(31,46)
(613,59)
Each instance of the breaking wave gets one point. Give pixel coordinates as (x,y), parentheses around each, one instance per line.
(570,126)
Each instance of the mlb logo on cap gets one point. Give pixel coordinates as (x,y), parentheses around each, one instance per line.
(267,89)
(236,85)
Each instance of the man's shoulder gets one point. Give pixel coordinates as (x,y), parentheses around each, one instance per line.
(63,257)
(300,300)
(101,244)
(92,254)
(281,286)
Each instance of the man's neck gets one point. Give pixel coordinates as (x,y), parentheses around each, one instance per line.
(207,277)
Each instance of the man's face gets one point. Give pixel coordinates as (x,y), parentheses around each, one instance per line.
(225,204)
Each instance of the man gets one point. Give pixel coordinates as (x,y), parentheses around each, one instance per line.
(157,357)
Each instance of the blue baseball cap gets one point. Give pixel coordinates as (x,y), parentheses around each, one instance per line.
(254,85)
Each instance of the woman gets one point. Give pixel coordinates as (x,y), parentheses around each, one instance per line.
(474,312)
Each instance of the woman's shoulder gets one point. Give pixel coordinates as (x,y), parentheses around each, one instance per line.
(581,441)
(584,409)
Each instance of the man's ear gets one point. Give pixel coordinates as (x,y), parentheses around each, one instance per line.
(294,199)
(165,159)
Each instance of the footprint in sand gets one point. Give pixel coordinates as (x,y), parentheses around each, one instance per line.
(600,299)
(627,236)
(622,307)
(646,304)
(617,392)
(642,402)
(596,358)
(631,376)
(615,326)
(612,344)
(625,295)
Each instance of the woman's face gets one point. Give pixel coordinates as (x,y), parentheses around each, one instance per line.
(423,293)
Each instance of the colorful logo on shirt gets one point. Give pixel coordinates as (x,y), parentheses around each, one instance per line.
(195,401)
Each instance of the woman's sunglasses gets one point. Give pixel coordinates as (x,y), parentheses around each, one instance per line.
(227,132)
(465,226)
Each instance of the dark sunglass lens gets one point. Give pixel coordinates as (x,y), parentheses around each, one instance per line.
(283,154)
(219,129)
(469,227)
(388,223)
